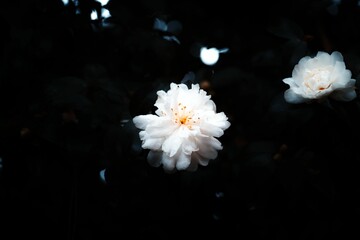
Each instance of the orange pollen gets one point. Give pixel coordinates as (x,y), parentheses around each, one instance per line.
(183,120)
(183,116)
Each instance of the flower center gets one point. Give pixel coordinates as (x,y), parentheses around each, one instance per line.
(317,80)
(183,119)
(182,116)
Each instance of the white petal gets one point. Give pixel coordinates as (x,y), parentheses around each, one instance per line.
(173,86)
(189,145)
(161,100)
(210,130)
(303,61)
(297,71)
(323,59)
(183,87)
(342,79)
(340,76)
(183,161)
(142,121)
(206,150)
(293,85)
(204,161)
(200,160)
(168,162)
(291,82)
(220,120)
(195,87)
(162,127)
(143,135)
(213,142)
(152,143)
(291,97)
(337,56)
(172,144)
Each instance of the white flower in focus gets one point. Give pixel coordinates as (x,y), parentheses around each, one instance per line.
(183,132)
(322,76)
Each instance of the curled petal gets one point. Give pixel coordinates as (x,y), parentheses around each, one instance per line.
(220,120)
(168,162)
(209,129)
(142,121)
(201,160)
(152,143)
(207,151)
(291,97)
(183,161)
(189,145)
(337,56)
(161,128)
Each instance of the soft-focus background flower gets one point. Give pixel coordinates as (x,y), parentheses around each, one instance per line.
(74,73)
(320,77)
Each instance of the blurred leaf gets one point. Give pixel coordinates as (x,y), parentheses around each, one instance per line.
(285,28)
(66,85)
(294,50)
(189,79)
(270,58)
(68,92)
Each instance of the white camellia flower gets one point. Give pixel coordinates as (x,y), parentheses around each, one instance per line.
(322,76)
(183,132)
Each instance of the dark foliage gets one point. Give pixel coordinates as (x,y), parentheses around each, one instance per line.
(69,87)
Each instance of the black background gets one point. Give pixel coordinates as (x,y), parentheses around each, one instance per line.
(69,87)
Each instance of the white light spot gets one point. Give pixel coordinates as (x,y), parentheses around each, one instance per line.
(66,2)
(105,13)
(209,56)
(94,15)
(103,2)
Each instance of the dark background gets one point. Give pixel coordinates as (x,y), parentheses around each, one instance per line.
(69,87)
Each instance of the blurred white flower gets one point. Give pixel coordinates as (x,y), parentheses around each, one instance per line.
(65,2)
(183,132)
(103,2)
(319,77)
(105,13)
(94,15)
